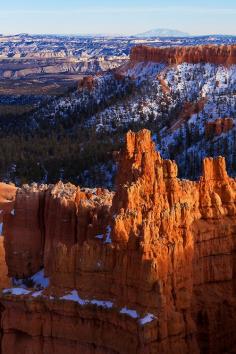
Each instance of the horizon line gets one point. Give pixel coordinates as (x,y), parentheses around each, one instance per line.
(113,34)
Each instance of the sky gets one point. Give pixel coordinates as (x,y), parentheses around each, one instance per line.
(126,17)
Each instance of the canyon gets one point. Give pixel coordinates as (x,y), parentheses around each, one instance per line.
(180,89)
(149,268)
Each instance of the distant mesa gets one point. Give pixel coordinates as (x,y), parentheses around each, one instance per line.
(163,32)
(220,55)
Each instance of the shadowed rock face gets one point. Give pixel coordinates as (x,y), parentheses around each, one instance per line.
(223,54)
(149,269)
(218,126)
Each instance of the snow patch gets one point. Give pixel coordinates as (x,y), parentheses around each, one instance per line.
(108,235)
(38,281)
(105,304)
(73,296)
(147,319)
(131,313)
(37,293)
(16,291)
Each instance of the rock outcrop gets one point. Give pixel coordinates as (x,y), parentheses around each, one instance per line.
(218,126)
(87,82)
(148,269)
(221,55)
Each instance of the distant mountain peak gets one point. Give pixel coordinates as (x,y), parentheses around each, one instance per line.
(163,32)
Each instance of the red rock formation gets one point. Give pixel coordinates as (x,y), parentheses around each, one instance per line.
(5,281)
(189,108)
(223,54)
(151,269)
(44,217)
(7,201)
(87,83)
(118,75)
(24,231)
(82,214)
(218,126)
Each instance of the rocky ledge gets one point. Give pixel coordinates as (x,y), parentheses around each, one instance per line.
(148,269)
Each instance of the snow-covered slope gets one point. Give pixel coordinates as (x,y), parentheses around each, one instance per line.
(175,101)
(190,108)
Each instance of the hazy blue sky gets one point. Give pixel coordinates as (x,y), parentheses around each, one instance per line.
(123,16)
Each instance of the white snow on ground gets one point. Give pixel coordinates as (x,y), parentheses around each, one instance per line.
(73,296)
(105,304)
(131,313)
(144,69)
(108,235)
(37,293)
(38,279)
(147,319)
(16,291)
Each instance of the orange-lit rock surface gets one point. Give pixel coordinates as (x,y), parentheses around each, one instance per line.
(148,269)
(223,54)
(7,198)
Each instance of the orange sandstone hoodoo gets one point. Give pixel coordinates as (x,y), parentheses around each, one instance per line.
(148,269)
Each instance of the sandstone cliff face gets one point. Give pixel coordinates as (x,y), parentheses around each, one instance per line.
(24,230)
(149,269)
(224,54)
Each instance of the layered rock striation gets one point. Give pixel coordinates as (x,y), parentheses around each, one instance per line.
(148,269)
(220,55)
